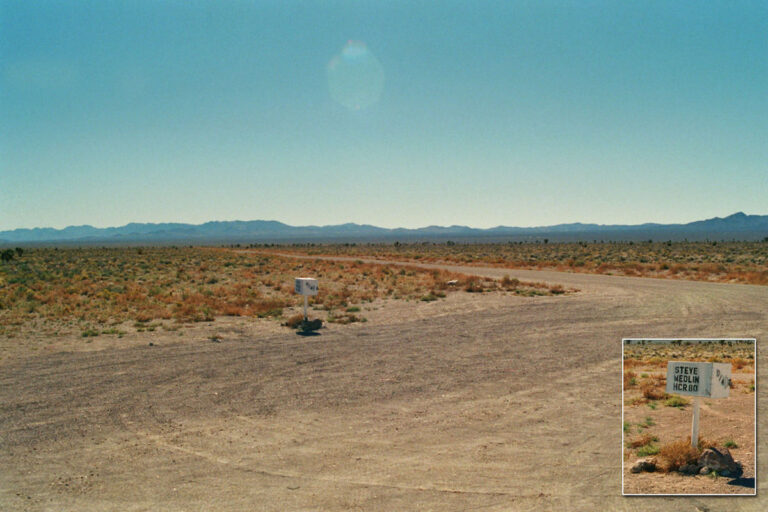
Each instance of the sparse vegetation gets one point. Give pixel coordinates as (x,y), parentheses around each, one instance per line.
(629,379)
(647,450)
(641,441)
(294,321)
(652,391)
(737,262)
(94,289)
(676,454)
(676,401)
(654,356)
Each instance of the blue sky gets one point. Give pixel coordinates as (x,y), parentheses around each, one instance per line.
(477,113)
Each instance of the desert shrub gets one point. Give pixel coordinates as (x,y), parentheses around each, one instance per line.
(232,310)
(344,319)
(557,289)
(294,321)
(641,440)
(508,282)
(650,449)
(676,401)
(739,363)
(274,312)
(473,285)
(676,454)
(651,392)
(705,443)
(143,317)
(630,379)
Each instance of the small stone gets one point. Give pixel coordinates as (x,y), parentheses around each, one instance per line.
(705,470)
(644,465)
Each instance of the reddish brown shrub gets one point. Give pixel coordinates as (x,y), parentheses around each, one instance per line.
(676,454)
(651,392)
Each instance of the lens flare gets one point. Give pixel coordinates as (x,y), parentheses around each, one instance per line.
(355,77)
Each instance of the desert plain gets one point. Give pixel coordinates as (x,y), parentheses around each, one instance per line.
(509,398)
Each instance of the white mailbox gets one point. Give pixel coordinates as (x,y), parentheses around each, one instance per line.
(306,286)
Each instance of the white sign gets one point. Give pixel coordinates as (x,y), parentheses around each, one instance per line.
(306,286)
(698,379)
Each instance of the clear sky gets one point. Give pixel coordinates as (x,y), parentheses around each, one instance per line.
(394,113)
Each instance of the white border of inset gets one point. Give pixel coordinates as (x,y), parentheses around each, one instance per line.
(754,341)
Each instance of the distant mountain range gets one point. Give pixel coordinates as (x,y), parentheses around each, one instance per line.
(738,226)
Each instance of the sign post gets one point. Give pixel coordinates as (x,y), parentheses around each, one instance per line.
(305,286)
(697,379)
(695,424)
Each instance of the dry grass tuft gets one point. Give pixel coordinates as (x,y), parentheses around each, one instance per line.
(676,454)
(651,391)
(739,363)
(295,321)
(641,440)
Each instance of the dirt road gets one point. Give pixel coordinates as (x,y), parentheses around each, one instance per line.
(481,401)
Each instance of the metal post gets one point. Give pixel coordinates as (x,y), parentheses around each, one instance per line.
(695,425)
(305,308)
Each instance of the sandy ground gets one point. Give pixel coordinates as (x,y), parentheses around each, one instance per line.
(480,401)
(723,419)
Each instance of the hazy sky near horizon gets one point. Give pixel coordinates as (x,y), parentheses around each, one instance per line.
(389,113)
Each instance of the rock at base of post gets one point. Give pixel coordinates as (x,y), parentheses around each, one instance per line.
(310,325)
(644,465)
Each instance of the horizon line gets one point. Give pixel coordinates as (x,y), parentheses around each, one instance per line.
(369,224)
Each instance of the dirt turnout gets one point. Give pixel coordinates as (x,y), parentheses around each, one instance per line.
(481,401)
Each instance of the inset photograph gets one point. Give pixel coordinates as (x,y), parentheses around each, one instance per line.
(689,416)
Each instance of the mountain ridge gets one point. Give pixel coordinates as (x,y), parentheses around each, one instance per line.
(738,226)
